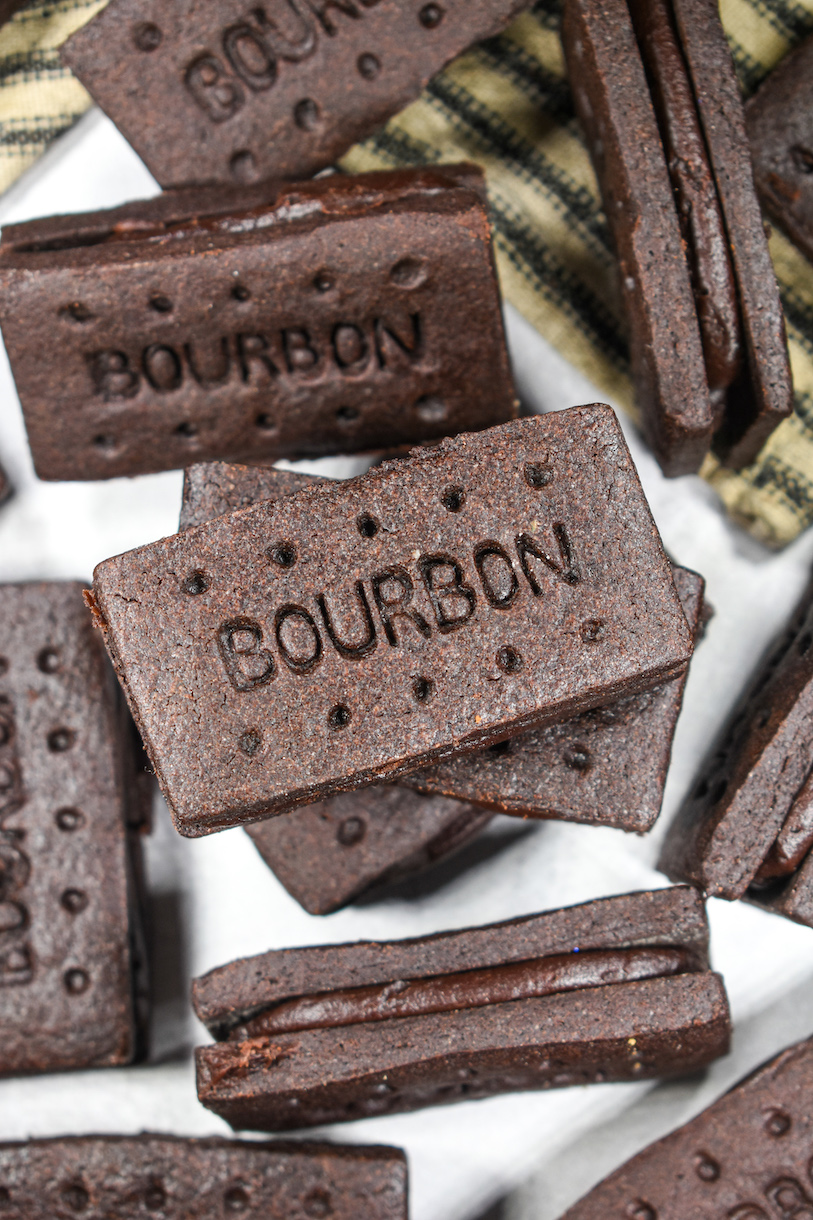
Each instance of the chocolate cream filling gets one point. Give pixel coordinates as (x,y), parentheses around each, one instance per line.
(468,989)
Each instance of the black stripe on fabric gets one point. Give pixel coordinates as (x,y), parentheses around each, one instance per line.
(577,205)
(799,315)
(29,62)
(401,149)
(528,253)
(803,407)
(792,21)
(750,71)
(34,136)
(776,474)
(548,13)
(551,92)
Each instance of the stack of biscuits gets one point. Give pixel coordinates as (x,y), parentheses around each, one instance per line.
(365,672)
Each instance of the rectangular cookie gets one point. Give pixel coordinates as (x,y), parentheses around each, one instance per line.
(666,354)
(617,989)
(201,1178)
(72,970)
(766,396)
(606,767)
(347,314)
(746,827)
(222,91)
(355,631)
(746,1157)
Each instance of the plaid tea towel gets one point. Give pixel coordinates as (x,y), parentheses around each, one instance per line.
(506,104)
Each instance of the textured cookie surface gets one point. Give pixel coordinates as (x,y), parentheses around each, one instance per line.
(337,316)
(68,787)
(351,632)
(157,1175)
(221,91)
(747,1157)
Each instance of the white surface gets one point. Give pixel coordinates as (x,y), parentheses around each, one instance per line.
(214,900)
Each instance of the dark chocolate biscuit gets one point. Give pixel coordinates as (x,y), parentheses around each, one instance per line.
(206,1179)
(666,352)
(697,127)
(780,128)
(607,766)
(329,853)
(746,828)
(351,313)
(616,989)
(746,1157)
(229,91)
(71,805)
(764,396)
(355,631)
(701,220)
(211,489)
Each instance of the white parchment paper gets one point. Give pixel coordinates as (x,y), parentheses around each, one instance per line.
(213,899)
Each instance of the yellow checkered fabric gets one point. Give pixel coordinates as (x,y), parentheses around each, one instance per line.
(506,104)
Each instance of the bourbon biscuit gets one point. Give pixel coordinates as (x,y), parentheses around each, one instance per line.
(698,207)
(229,91)
(612,990)
(746,827)
(746,1157)
(606,767)
(206,1179)
(354,631)
(764,396)
(666,351)
(72,986)
(5,486)
(347,314)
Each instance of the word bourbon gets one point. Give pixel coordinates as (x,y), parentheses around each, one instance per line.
(344,348)
(252,49)
(442,598)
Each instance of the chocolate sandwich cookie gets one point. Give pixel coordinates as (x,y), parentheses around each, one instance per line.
(666,353)
(206,1179)
(329,853)
(656,91)
(72,803)
(606,767)
(747,1157)
(780,128)
(617,989)
(355,631)
(222,91)
(347,314)
(746,827)
(760,400)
